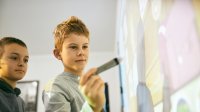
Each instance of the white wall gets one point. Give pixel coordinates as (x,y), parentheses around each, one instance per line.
(44,67)
(34,21)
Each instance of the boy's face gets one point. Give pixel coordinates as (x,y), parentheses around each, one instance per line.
(13,63)
(74,54)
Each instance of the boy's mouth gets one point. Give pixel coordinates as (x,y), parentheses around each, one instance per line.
(81,60)
(21,71)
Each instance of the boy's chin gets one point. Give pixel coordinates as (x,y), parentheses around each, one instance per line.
(19,77)
(80,69)
(15,79)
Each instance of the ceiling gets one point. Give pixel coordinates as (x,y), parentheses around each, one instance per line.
(33,21)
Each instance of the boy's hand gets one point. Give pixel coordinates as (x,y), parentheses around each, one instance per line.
(92,87)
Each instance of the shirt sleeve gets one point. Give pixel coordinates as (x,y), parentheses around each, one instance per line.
(55,102)
(86,108)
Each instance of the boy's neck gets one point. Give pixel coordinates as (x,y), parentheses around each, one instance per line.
(11,83)
(79,73)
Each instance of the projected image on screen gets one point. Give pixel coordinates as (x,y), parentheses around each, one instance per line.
(180,45)
(160,45)
(183,106)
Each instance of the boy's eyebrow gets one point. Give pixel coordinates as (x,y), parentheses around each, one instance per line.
(86,43)
(15,53)
(77,44)
(72,44)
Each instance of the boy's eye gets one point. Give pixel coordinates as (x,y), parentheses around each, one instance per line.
(85,47)
(73,47)
(25,60)
(13,57)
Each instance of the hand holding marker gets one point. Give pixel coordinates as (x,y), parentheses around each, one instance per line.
(108,65)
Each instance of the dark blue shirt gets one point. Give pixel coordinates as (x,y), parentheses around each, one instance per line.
(10,101)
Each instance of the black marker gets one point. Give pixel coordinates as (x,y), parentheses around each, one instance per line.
(108,65)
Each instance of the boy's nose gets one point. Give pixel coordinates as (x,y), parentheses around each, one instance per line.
(80,52)
(21,63)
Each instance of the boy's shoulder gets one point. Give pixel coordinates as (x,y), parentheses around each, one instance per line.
(49,85)
(55,83)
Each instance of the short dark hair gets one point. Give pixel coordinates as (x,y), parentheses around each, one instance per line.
(10,40)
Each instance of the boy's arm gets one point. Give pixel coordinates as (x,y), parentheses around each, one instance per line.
(55,102)
(92,87)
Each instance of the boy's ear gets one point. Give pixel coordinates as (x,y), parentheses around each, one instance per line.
(57,54)
(0,66)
